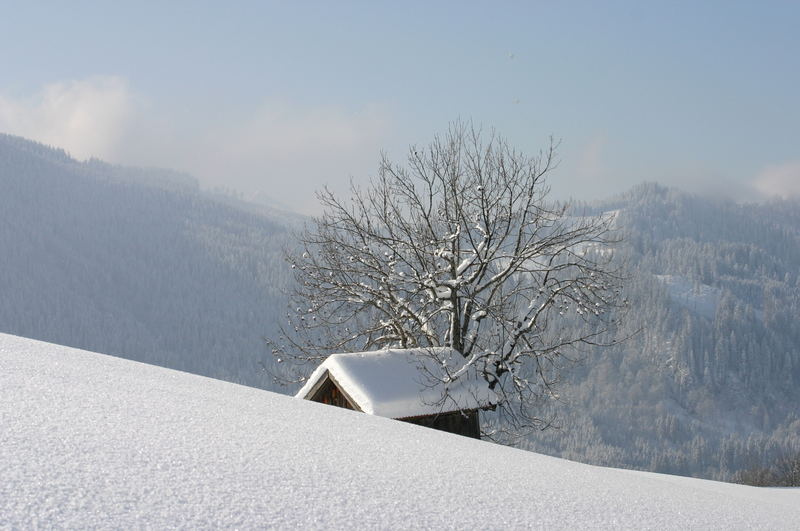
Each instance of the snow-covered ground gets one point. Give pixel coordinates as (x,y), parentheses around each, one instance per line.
(701,299)
(88,440)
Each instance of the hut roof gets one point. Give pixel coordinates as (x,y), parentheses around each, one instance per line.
(402,383)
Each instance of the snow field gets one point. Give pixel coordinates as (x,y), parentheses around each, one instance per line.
(88,440)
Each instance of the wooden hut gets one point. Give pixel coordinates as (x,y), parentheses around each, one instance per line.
(403,384)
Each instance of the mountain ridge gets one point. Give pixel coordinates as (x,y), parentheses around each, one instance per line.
(708,383)
(125,261)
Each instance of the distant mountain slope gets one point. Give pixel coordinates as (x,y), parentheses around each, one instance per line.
(141,263)
(710,381)
(92,441)
(137,263)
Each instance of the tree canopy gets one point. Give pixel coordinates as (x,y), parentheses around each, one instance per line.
(458,247)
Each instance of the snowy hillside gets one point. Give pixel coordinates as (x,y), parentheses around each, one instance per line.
(142,264)
(95,441)
(138,263)
(701,299)
(707,382)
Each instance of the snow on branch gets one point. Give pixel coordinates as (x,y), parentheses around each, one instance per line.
(459,247)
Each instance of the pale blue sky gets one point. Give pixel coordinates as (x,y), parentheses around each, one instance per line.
(284,97)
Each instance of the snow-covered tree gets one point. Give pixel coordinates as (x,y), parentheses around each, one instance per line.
(459,247)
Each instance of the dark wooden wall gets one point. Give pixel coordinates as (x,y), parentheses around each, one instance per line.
(329,394)
(465,424)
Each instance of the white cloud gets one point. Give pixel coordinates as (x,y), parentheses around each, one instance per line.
(86,117)
(584,172)
(781,180)
(279,149)
(288,152)
(591,160)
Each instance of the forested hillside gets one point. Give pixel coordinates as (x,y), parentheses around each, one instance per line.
(137,263)
(709,382)
(142,264)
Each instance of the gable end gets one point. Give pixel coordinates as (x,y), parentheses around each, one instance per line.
(328,391)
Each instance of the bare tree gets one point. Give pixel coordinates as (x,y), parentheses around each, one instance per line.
(787,469)
(460,247)
(784,472)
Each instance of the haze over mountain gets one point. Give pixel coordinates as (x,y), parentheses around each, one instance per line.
(138,263)
(142,264)
(709,382)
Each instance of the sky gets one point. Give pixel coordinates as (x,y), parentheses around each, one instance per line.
(277,99)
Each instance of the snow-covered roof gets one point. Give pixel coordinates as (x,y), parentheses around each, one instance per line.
(400,383)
